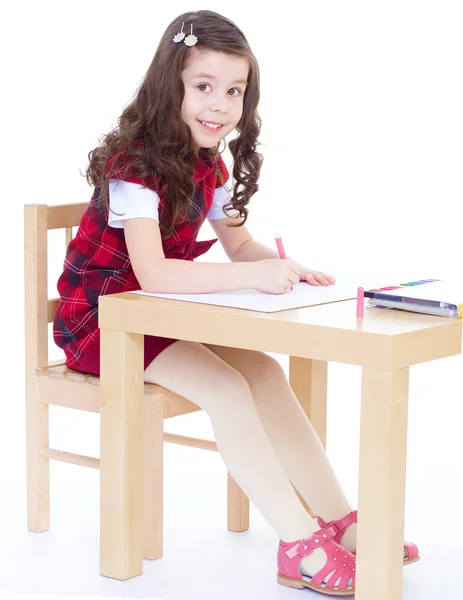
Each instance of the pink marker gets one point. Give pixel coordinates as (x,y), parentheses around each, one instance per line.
(280,247)
(360,302)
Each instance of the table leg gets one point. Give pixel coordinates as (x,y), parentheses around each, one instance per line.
(308,379)
(121,455)
(381,502)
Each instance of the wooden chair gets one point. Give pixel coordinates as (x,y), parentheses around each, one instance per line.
(51,382)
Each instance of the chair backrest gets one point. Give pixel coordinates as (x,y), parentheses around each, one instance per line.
(39,309)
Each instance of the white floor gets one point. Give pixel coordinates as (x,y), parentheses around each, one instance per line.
(203,560)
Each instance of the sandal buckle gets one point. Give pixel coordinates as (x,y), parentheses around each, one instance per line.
(334,526)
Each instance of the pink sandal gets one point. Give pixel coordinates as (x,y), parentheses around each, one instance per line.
(341,563)
(411,550)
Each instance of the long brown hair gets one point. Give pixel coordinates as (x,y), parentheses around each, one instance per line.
(154,118)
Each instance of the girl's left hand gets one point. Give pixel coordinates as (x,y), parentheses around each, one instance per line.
(316,277)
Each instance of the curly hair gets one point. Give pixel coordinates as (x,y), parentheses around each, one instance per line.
(154,118)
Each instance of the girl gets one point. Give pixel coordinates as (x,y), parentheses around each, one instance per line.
(157,177)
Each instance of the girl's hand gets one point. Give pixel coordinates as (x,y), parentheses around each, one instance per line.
(316,277)
(274,275)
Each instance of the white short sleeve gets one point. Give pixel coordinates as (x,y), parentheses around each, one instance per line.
(131,200)
(221,197)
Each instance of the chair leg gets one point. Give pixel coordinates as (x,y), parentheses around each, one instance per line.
(237,507)
(153,477)
(38,466)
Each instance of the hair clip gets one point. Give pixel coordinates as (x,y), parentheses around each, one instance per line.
(191,39)
(179,36)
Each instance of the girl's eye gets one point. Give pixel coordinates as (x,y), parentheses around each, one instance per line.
(202,86)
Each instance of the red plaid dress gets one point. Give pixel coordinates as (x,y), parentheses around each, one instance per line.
(97,263)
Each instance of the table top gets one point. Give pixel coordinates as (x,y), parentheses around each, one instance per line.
(383,339)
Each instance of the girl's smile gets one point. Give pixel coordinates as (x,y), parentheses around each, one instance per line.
(210,126)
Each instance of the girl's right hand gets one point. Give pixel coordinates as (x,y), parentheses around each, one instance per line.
(275,275)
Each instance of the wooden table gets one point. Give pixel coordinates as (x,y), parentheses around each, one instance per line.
(385,343)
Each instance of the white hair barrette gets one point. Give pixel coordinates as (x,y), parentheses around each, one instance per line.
(189,40)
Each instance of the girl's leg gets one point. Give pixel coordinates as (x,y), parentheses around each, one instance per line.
(193,371)
(297,445)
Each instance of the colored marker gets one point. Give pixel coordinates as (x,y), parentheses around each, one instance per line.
(360,302)
(280,247)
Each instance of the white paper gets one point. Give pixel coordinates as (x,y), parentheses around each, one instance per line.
(303,294)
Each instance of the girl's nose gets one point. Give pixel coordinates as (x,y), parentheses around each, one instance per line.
(220,104)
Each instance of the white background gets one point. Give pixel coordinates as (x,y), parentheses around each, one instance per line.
(362,138)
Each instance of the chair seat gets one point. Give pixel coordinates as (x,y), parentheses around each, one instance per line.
(63,372)
(174,405)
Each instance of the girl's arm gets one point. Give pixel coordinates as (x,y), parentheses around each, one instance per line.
(238,243)
(155,273)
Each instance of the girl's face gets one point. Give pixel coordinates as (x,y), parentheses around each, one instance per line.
(215,83)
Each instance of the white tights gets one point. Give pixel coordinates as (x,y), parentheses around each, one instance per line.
(261,431)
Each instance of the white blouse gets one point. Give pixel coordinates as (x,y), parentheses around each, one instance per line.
(131,200)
